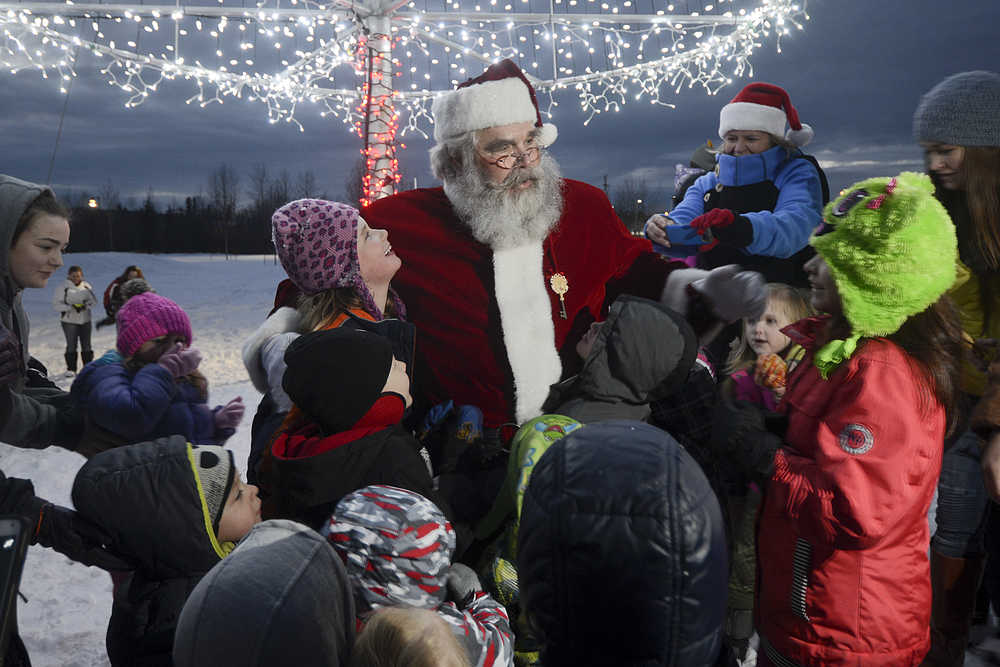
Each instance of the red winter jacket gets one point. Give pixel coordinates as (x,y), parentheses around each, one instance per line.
(843,536)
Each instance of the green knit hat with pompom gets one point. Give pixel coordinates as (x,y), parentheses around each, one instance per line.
(892,251)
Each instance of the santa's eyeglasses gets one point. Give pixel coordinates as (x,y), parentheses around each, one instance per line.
(511,160)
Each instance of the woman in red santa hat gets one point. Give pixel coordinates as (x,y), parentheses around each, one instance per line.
(759,205)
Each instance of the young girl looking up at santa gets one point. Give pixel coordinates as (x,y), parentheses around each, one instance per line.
(341,269)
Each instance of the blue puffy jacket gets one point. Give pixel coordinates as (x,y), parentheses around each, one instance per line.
(143,405)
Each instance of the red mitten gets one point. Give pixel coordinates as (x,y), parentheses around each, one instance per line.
(717,217)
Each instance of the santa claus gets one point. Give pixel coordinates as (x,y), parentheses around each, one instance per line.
(506,266)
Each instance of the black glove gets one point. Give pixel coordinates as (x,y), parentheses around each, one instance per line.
(10,358)
(741,437)
(76,538)
(461,584)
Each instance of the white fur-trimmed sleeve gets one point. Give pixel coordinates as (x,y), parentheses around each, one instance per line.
(283,320)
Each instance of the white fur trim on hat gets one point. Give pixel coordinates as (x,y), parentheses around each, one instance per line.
(526,322)
(483,105)
(749,116)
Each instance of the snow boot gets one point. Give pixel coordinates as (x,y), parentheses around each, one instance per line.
(70,363)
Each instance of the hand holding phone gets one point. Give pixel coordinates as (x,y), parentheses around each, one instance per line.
(14,533)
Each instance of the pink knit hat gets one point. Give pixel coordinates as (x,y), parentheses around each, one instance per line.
(147,316)
(317,243)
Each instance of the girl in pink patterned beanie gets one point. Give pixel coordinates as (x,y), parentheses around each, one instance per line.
(336,260)
(341,269)
(153,388)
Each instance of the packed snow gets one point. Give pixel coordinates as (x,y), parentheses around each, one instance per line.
(66,615)
(68,605)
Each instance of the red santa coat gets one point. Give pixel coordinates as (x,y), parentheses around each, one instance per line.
(843,536)
(489,329)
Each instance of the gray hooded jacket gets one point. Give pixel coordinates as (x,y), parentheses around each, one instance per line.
(281,598)
(642,353)
(33,418)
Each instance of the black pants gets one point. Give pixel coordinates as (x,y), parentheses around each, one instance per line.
(75,332)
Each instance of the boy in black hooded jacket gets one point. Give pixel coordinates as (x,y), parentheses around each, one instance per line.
(174,510)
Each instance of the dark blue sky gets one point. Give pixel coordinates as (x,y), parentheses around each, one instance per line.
(855,74)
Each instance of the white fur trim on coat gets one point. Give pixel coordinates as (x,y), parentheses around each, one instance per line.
(748,116)
(528,332)
(483,105)
(283,320)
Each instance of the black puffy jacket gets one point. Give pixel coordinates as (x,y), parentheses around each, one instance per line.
(622,554)
(145,496)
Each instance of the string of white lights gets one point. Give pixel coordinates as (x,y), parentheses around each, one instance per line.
(608,55)
(370,63)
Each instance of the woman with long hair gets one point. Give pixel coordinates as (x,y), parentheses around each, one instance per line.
(958,126)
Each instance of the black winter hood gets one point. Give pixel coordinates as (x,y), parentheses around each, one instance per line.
(622,554)
(146,497)
(642,353)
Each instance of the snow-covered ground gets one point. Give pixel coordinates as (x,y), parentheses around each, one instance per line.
(64,621)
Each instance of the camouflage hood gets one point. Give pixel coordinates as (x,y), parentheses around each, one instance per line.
(397,547)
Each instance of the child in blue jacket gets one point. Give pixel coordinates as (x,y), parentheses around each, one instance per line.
(759,205)
(155,389)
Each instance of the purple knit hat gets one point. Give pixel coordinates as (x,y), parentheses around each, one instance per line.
(317,243)
(147,316)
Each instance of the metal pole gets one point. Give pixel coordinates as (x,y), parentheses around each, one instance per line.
(62,116)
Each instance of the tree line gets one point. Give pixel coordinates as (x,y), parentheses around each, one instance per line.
(232,214)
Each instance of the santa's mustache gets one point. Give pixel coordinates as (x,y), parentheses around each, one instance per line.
(516,177)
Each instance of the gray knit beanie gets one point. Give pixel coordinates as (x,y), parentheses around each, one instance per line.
(134,287)
(216,470)
(962,110)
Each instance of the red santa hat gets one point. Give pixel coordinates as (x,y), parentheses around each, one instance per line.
(764,107)
(499,96)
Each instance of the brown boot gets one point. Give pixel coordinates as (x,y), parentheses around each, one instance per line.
(955,583)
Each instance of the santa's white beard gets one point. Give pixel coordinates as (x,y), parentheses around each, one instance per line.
(501,215)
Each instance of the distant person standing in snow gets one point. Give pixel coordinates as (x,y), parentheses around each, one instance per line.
(113,297)
(73,301)
(351,288)
(155,390)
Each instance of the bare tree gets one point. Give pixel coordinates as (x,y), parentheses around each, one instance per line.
(305,185)
(108,196)
(109,199)
(259,186)
(224,188)
(631,202)
(281,188)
